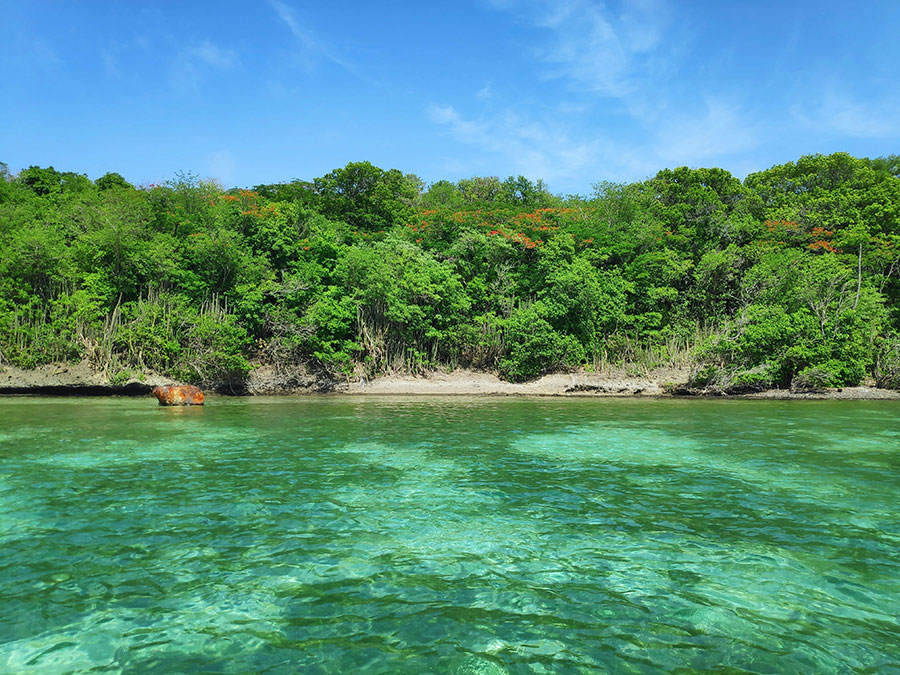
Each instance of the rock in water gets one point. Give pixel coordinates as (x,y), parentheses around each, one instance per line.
(178,394)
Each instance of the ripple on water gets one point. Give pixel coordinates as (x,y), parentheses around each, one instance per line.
(502,536)
(630,447)
(240,621)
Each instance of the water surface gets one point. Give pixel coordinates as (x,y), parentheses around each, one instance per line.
(460,535)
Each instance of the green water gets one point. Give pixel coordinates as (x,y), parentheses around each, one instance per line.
(449,535)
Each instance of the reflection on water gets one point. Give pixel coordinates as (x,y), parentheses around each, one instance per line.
(449,535)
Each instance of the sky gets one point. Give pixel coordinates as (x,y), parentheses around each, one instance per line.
(573,92)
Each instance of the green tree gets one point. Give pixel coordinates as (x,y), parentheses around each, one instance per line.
(535,347)
(112,180)
(366,197)
(40,181)
(702,208)
(481,189)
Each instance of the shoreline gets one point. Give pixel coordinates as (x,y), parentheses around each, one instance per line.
(80,379)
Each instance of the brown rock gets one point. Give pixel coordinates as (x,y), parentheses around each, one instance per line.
(178,394)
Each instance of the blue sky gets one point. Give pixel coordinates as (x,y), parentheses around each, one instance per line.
(571,91)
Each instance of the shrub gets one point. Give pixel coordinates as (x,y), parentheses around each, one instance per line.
(752,380)
(817,378)
(704,377)
(533,347)
(887,364)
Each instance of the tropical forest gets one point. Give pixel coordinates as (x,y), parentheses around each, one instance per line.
(789,278)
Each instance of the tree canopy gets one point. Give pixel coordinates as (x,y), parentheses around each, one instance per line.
(789,277)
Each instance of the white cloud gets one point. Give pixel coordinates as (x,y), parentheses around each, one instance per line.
(599,51)
(622,118)
(840,113)
(211,55)
(312,46)
(530,147)
(193,62)
(698,137)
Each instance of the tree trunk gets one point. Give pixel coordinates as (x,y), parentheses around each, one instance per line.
(858,277)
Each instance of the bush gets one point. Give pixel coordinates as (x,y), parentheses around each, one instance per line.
(752,380)
(733,380)
(704,377)
(817,378)
(887,364)
(38,332)
(168,335)
(533,347)
(213,352)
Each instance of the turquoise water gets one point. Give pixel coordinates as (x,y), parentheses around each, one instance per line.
(451,535)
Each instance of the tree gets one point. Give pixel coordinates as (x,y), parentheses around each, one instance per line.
(298,191)
(889,164)
(6,182)
(703,208)
(366,197)
(523,192)
(409,304)
(857,200)
(442,194)
(40,181)
(480,190)
(109,181)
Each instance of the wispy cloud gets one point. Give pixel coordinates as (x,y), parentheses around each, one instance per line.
(312,45)
(625,55)
(44,53)
(617,65)
(838,112)
(539,148)
(110,63)
(211,55)
(530,147)
(28,54)
(718,130)
(194,61)
(605,53)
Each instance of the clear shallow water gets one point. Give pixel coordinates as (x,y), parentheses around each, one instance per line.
(449,535)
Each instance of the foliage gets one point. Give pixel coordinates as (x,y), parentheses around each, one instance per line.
(534,347)
(790,278)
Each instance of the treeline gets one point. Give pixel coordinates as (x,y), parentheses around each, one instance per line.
(789,278)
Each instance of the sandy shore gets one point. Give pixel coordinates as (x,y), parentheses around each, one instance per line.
(80,380)
(72,379)
(669,382)
(467,382)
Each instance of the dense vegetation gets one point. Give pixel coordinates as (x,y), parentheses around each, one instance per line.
(787,278)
